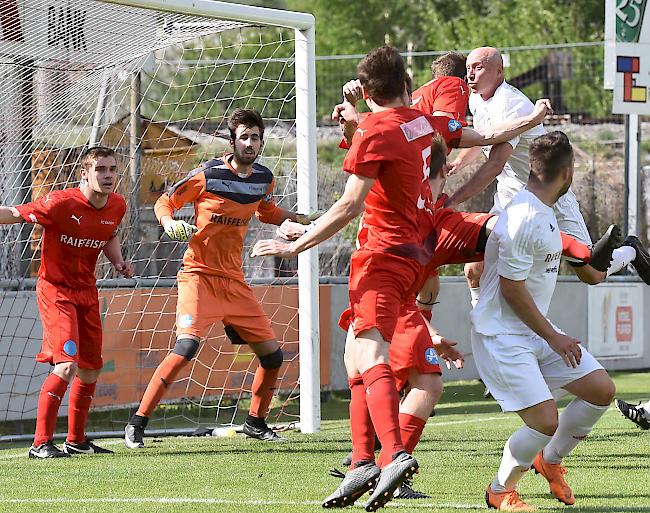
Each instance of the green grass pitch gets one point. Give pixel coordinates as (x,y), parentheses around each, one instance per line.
(458,455)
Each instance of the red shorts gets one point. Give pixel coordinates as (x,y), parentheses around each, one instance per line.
(204,300)
(457,238)
(379,284)
(411,347)
(72,327)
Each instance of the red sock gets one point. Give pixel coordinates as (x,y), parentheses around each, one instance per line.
(410,428)
(263,388)
(573,248)
(81,396)
(361,428)
(164,376)
(49,400)
(383,404)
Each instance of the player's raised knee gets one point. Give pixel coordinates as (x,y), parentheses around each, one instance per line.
(273,360)
(186,347)
(605,393)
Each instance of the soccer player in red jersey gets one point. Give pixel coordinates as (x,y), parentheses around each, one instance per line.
(226,193)
(78,224)
(388,164)
(447,93)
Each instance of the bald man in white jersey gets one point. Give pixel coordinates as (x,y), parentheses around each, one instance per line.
(492,102)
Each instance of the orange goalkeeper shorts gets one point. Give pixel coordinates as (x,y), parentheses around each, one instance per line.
(72,327)
(204,300)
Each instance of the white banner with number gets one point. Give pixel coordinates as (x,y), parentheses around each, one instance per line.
(615,320)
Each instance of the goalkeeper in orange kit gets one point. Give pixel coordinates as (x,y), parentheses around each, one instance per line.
(226,193)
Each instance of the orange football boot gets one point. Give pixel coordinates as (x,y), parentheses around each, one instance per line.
(506,501)
(554,474)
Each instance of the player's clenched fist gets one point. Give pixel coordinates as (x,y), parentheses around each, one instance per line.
(270,247)
(179,230)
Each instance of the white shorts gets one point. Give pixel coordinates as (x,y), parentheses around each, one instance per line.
(567,212)
(521,371)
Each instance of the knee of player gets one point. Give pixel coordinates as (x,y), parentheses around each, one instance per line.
(605,393)
(273,360)
(66,370)
(186,347)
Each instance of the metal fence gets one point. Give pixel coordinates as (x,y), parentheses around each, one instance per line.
(570,74)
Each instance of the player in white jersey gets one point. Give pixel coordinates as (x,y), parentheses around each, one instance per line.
(523,359)
(492,102)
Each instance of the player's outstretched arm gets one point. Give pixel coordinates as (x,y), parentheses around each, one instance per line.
(508,129)
(113,252)
(349,206)
(483,177)
(517,296)
(10,215)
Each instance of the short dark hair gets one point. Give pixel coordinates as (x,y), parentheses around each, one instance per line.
(247,117)
(94,153)
(438,154)
(451,64)
(549,155)
(383,74)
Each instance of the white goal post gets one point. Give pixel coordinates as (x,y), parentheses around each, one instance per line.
(22,44)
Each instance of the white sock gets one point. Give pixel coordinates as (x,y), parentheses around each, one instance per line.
(518,455)
(575,423)
(646,407)
(474,293)
(620,258)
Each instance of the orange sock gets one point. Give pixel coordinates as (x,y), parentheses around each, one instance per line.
(571,247)
(410,428)
(49,400)
(81,397)
(163,377)
(263,388)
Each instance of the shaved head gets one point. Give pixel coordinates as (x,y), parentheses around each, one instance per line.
(484,71)
(488,55)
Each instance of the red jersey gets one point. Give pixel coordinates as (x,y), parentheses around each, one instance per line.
(446,94)
(394,146)
(74,233)
(224,203)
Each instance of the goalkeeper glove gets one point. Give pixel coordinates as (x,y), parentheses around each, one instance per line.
(179,230)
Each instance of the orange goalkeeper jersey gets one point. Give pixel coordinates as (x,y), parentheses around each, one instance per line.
(224,203)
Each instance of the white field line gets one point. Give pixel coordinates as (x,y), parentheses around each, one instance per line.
(227,502)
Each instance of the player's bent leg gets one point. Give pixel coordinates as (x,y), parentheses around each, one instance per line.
(518,455)
(416,407)
(594,393)
(587,274)
(184,351)
(641,259)
(266,376)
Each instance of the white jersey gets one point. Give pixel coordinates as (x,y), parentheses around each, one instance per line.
(525,244)
(507,103)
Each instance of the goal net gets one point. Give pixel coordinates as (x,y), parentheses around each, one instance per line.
(157,86)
